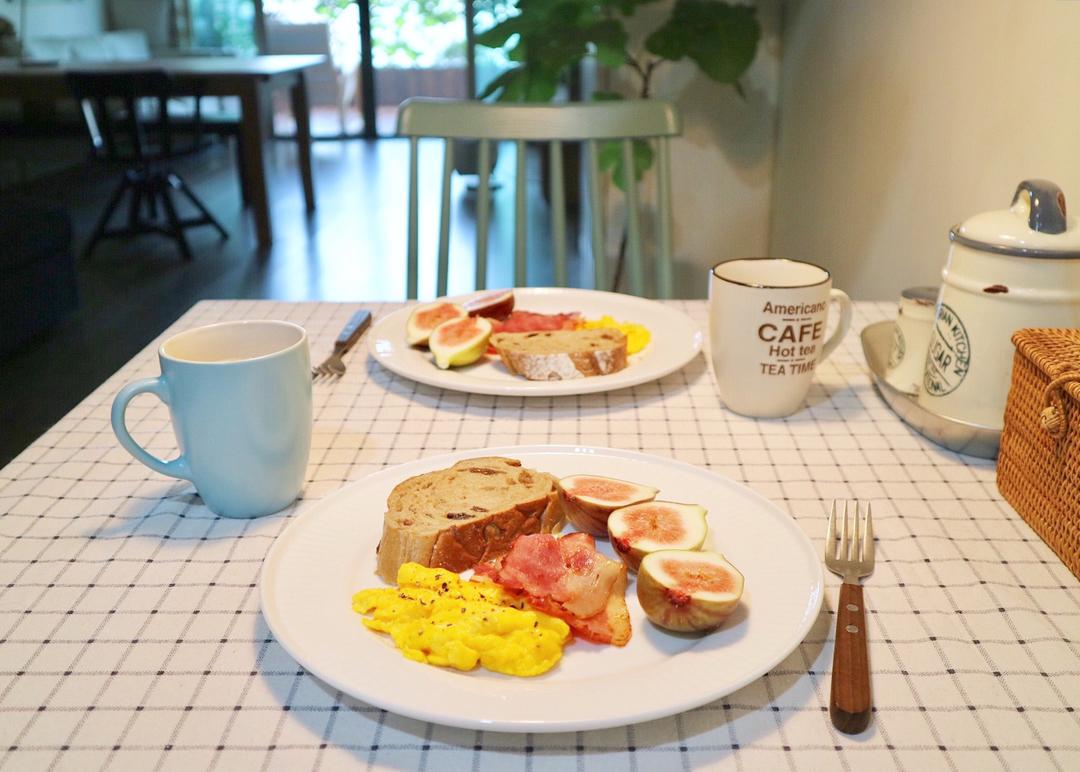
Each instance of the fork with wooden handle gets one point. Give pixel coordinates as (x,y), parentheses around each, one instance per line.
(333,366)
(851,558)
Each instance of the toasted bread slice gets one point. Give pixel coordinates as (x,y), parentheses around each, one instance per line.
(454,518)
(559,355)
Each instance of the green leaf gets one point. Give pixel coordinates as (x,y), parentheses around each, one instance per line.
(540,85)
(611,160)
(497,36)
(606,96)
(609,36)
(720,38)
(625,7)
(509,84)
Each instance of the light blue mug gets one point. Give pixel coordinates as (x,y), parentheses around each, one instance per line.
(239,394)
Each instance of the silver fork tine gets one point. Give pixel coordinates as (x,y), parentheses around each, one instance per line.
(844,536)
(830,533)
(856,539)
(868,536)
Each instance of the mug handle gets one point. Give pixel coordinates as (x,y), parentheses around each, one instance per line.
(842,326)
(178,467)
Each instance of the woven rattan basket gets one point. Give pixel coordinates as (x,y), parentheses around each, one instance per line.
(1038,468)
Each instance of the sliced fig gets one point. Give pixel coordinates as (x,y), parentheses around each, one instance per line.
(427,317)
(494,304)
(637,530)
(688,591)
(588,500)
(460,341)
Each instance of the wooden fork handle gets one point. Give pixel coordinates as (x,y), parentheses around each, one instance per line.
(849,703)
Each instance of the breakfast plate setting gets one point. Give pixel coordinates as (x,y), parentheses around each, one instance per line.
(261,563)
(328,553)
(674,340)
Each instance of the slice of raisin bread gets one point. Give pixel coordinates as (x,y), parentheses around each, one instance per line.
(560,355)
(454,518)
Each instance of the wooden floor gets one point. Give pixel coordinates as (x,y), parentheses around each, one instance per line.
(351,249)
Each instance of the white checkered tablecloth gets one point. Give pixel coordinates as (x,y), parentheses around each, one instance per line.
(130,633)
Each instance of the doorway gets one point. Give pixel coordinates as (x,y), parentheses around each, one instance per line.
(378,52)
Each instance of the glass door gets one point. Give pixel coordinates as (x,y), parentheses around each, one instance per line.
(218,26)
(330,28)
(378,52)
(418,49)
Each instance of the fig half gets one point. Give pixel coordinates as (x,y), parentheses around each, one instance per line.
(588,500)
(495,304)
(424,319)
(460,341)
(688,591)
(656,525)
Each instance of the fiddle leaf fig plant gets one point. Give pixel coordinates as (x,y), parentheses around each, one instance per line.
(547,38)
(721,39)
(553,35)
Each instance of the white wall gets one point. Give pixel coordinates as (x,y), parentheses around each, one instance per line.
(57,17)
(900,119)
(722,165)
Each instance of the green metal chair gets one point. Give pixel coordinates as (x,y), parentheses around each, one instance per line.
(589,124)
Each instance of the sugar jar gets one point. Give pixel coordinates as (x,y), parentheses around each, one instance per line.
(1007,270)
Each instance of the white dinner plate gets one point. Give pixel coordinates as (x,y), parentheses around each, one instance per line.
(328,553)
(675,340)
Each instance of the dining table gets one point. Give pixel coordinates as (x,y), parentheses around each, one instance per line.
(131,635)
(251,79)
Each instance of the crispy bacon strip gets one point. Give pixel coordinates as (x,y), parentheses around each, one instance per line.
(566,577)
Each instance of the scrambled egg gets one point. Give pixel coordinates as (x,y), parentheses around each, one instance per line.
(637,335)
(435,617)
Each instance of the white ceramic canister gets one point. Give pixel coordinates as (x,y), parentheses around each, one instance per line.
(1007,270)
(911,338)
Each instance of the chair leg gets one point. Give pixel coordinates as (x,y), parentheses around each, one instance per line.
(245,185)
(178,183)
(138,190)
(175,227)
(106,215)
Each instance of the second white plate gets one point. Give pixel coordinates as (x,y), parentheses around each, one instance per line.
(675,341)
(328,553)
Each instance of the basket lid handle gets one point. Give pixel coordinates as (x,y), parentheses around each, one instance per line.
(1052,416)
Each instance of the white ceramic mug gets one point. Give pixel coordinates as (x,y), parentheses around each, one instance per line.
(239,394)
(767,320)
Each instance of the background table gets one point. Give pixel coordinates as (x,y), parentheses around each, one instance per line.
(249,78)
(130,635)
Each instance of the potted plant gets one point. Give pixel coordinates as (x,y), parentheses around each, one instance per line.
(549,38)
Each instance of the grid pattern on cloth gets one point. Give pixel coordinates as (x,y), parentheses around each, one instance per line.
(130,635)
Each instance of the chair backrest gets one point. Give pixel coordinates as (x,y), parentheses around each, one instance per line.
(127,113)
(587,123)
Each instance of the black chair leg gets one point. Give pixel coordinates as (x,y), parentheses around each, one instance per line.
(175,227)
(106,215)
(135,205)
(178,183)
(245,185)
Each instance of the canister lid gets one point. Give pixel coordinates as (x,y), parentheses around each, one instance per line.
(1036,225)
(923,296)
